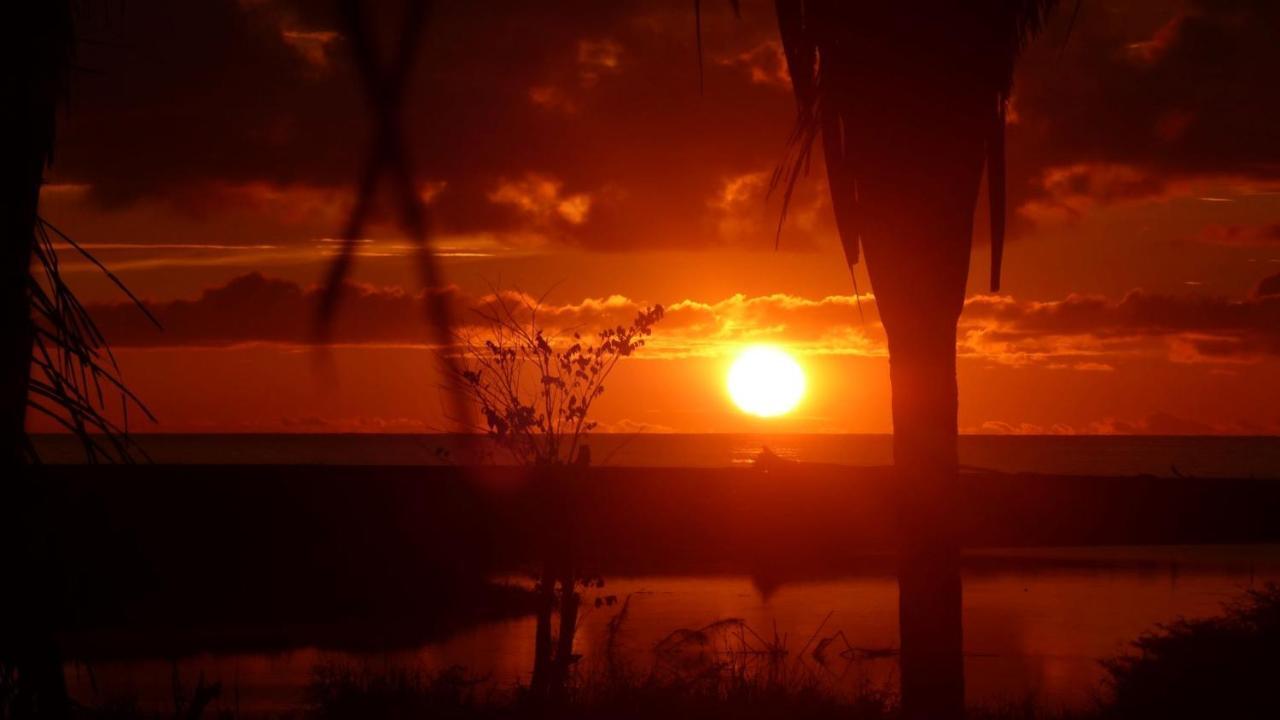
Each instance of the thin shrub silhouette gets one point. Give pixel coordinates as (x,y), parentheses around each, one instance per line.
(535,391)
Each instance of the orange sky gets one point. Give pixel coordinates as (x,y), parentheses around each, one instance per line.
(209,157)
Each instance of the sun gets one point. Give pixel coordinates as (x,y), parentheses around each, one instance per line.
(766,381)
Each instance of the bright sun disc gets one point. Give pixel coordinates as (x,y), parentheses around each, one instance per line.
(766,381)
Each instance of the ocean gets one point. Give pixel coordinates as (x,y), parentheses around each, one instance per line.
(1192,456)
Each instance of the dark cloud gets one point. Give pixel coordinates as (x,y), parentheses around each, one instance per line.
(1079,332)
(254,308)
(1169,89)
(1269,286)
(600,100)
(1157,423)
(1206,328)
(178,95)
(1242,235)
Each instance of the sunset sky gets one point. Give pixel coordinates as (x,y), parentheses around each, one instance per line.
(208,152)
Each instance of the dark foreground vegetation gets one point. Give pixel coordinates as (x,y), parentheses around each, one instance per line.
(1219,667)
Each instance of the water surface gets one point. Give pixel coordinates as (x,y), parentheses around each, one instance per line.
(1036,622)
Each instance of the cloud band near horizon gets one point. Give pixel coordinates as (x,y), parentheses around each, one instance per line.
(1079,331)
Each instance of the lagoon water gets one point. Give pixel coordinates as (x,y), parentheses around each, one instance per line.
(1037,625)
(1037,622)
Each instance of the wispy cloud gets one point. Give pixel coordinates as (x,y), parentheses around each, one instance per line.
(135,257)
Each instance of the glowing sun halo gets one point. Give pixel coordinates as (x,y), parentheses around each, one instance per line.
(766,381)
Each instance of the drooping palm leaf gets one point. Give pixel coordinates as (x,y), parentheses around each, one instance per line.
(1010,23)
(385,86)
(74,373)
(66,370)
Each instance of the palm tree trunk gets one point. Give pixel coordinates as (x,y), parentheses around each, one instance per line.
(29,97)
(33,61)
(917,249)
(21,188)
(909,100)
(922,372)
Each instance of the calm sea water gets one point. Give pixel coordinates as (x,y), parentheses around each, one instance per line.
(1203,456)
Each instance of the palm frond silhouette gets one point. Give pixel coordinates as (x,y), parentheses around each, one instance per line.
(55,360)
(59,363)
(385,88)
(75,369)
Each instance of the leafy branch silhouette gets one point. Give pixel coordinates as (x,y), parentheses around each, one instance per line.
(74,371)
(535,391)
